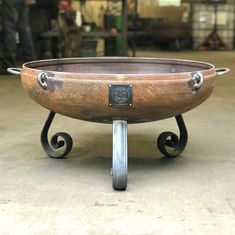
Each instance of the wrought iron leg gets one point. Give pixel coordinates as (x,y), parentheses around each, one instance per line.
(55,144)
(170,144)
(120,161)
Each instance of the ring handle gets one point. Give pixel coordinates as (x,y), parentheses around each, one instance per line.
(198,80)
(222,71)
(16,71)
(42,79)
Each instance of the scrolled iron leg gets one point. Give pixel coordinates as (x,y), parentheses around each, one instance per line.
(170,144)
(55,144)
(119,163)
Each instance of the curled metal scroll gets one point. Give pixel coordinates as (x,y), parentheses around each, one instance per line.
(55,144)
(170,144)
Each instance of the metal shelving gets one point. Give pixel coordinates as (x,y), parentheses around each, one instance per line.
(203,22)
(123,32)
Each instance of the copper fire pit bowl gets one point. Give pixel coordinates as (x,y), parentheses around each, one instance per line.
(118,91)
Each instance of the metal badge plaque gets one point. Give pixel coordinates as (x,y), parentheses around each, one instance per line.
(120,95)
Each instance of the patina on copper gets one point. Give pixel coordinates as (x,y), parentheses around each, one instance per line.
(80,87)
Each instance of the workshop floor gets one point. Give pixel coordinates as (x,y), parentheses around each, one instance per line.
(192,194)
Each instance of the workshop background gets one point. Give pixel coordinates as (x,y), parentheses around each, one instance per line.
(191,194)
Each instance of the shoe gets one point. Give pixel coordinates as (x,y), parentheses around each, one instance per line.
(4,72)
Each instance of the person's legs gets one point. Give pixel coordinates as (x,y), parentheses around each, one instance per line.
(26,41)
(9,33)
(1,39)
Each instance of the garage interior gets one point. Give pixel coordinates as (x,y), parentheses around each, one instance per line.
(191,194)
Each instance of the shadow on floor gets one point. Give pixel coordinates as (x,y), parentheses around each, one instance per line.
(96,152)
(139,146)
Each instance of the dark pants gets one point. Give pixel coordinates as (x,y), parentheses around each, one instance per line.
(15,19)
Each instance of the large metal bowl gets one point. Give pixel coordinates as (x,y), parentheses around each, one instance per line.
(105,89)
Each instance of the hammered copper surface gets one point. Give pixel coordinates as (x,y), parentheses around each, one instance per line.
(79,88)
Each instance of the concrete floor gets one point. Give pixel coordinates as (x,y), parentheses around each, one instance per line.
(193,194)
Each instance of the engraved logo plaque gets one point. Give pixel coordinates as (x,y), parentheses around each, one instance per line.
(120,95)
